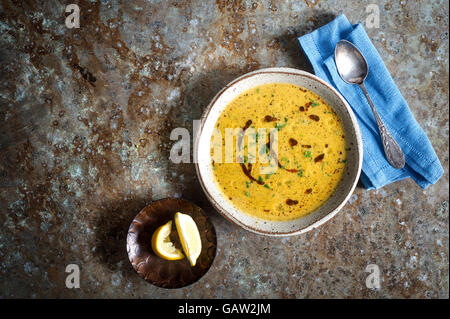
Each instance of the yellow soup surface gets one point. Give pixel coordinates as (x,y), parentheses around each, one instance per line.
(309,163)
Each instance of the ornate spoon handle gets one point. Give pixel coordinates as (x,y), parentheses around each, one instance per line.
(394,153)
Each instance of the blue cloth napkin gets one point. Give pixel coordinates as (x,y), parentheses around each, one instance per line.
(422,164)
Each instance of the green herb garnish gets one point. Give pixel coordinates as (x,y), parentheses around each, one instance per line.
(308,154)
(280,126)
(314,103)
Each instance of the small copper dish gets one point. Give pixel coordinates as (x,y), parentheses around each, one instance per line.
(158,271)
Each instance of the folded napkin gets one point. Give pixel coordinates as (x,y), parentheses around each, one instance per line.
(422,164)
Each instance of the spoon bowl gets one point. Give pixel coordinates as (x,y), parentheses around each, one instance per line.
(353,67)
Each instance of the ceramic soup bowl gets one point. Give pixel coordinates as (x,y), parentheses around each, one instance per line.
(204,162)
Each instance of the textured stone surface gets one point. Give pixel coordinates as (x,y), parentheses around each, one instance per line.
(86,116)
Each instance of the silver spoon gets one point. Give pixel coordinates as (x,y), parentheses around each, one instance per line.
(353,69)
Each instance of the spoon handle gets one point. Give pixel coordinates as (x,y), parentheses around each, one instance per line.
(394,153)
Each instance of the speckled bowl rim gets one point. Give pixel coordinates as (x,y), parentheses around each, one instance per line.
(359,150)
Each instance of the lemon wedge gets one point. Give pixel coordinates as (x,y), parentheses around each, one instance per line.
(162,246)
(189,237)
